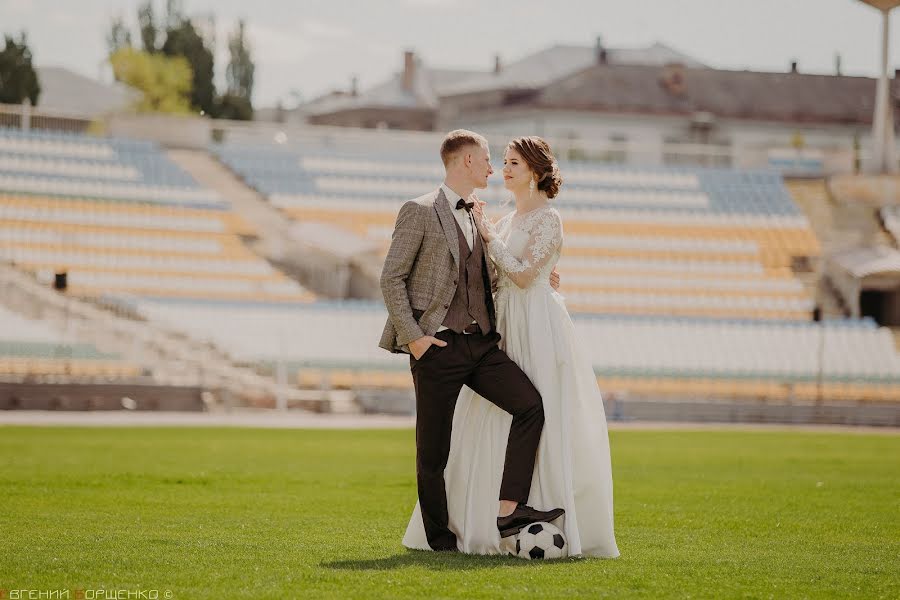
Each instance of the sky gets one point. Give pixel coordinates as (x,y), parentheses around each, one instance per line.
(303,48)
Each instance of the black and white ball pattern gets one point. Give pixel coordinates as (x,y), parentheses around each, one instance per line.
(541,541)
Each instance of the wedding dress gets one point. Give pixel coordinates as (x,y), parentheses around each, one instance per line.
(573,468)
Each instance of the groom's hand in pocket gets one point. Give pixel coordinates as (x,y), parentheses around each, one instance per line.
(420,346)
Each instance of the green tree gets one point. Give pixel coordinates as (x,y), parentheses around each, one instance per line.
(239,73)
(234,107)
(147,26)
(165,81)
(184,40)
(119,36)
(18,79)
(237,101)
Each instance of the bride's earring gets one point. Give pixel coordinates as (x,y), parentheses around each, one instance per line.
(531,187)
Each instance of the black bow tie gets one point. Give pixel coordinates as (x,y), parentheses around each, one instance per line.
(463,204)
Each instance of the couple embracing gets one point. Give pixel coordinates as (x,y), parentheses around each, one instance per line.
(510,428)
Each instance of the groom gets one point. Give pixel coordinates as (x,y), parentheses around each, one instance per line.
(437,287)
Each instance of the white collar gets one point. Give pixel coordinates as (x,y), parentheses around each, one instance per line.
(452,197)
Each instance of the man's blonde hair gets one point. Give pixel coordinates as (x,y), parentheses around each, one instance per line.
(458,139)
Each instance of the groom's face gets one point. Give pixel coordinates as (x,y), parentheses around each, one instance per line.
(480,167)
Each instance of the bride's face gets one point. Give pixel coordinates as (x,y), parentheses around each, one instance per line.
(516,173)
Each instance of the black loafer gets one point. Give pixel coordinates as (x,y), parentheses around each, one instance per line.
(525,515)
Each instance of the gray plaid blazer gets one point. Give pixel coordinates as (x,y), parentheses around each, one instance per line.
(419,271)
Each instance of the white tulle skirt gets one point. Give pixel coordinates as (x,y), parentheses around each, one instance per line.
(573,468)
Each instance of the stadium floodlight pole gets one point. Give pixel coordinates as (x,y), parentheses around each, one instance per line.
(885,155)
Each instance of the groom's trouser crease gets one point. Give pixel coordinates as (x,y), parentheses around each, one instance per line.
(474,360)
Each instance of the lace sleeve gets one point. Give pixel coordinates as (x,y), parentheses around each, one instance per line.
(544,238)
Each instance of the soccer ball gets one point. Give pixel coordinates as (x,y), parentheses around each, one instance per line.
(541,540)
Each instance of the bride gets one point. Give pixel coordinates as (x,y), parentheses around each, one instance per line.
(573,464)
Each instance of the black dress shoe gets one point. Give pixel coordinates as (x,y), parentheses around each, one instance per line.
(525,515)
(446,543)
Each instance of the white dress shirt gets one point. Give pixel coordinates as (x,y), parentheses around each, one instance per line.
(462,217)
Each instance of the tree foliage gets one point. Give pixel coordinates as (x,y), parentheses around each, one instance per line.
(184,40)
(176,35)
(240,68)
(147,27)
(18,79)
(234,107)
(118,36)
(237,101)
(164,80)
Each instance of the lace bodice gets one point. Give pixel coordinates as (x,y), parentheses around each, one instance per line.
(526,248)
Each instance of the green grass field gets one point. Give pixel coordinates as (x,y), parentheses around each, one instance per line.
(253,513)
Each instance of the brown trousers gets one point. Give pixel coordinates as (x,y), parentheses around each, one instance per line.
(474,360)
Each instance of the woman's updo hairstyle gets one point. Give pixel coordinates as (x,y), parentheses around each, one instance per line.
(536,153)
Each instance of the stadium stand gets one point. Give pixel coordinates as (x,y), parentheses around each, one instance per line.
(690,272)
(654,240)
(683,281)
(177,372)
(106,218)
(119,217)
(680,356)
(34,347)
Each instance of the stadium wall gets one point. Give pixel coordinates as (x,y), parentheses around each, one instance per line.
(88,396)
